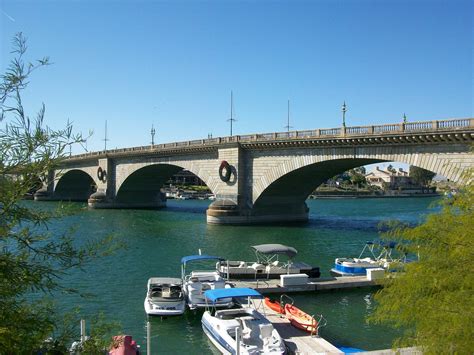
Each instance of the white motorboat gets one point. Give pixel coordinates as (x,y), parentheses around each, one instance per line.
(267,264)
(198,281)
(164,297)
(240,330)
(358,266)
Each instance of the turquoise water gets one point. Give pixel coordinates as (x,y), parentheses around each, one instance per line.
(156,240)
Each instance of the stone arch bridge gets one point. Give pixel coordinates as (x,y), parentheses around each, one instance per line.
(272,174)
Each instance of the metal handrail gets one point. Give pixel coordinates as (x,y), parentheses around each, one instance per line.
(319,324)
(286,296)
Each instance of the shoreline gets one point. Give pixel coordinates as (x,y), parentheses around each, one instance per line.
(355,196)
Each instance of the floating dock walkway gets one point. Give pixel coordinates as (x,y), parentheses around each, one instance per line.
(296,340)
(268,286)
(302,343)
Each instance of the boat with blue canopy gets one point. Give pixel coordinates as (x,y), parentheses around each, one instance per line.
(240,330)
(199,281)
(380,257)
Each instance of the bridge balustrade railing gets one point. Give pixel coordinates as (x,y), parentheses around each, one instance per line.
(211,141)
(359,130)
(264,136)
(317,133)
(419,126)
(461,123)
(388,128)
(306,134)
(247,138)
(197,142)
(330,132)
(292,134)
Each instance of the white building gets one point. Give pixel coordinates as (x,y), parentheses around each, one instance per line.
(391,179)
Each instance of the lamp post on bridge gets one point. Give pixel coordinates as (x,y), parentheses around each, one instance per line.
(152,132)
(344,110)
(105,137)
(288,119)
(231,119)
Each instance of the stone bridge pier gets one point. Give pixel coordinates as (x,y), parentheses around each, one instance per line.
(262,178)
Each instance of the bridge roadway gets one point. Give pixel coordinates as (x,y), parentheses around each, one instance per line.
(270,175)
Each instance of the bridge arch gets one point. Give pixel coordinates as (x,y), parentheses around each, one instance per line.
(141,187)
(74,185)
(303,173)
(289,192)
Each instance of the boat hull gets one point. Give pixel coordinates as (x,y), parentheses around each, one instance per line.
(274,305)
(248,270)
(353,267)
(216,339)
(221,329)
(301,319)
(175,309)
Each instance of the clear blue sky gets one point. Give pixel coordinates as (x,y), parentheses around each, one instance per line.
(174,63)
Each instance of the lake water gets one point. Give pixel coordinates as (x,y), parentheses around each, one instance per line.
(156,240)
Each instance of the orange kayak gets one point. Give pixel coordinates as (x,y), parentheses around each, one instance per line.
(300,319)
(274,305)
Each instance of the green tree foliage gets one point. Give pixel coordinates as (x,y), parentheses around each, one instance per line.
(357,176)
(421,176)
(32,260)
(433,300)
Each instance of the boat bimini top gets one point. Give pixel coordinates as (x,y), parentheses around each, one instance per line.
(268,251)
(187,259)
(217,294)
(385,253)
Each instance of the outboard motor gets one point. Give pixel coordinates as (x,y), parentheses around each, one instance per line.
(314,273)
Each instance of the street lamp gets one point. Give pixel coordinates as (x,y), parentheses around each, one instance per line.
(231,119)
(344,110)
(152,132)
(288,118)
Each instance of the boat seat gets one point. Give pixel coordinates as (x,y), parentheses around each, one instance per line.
(257,266)
(166,293)
(247,331)
(266,331)
(195,288)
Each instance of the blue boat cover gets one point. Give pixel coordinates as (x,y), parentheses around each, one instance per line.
(189,258)
(214,295)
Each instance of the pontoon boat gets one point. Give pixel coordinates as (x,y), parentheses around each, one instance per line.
(358,266)
(267,265)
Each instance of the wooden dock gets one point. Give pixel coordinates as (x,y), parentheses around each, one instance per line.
(302,343)
(296,340)
(268,286)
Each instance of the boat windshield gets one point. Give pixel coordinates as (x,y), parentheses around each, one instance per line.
(233,315)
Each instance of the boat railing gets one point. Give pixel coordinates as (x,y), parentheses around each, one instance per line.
(320,323)
(283,296)
(265,282)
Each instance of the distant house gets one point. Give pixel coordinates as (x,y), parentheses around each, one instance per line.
(388,179)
